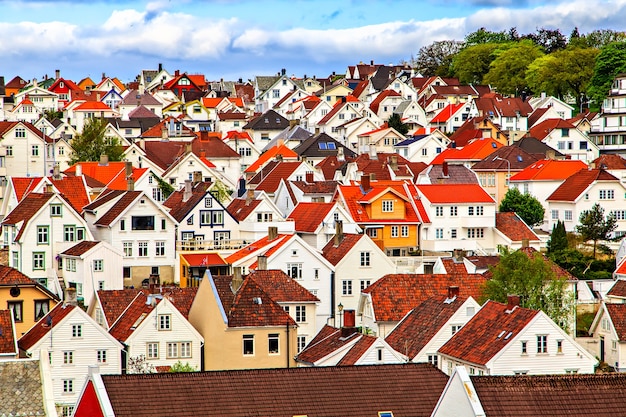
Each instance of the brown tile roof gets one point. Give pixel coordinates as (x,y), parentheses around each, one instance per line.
(348,391)
(418,328)
(268,180)
(578,182)
(8,344)
(211,145)
(309,216)
(104,197)
(580,395)
(280,287)
(114,302)
(544,128)
(80,248)
(513,227)
(517,158)
(334,254)
(11,276)
(394,295)
(262,244)
(316,187)
(610,161)
(329,165)
(618,289)
(138,307)
(127,199)
(357,351)
(327,341)
(617,312)
(241,308)
(43,326)
(491,329)
(73,190)
(179,208)
(241,208)
(182,298)
(26,209)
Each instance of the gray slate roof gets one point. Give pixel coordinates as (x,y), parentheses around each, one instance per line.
(21,389)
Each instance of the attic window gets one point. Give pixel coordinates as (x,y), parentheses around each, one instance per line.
(331,145)
(138,321)
(322,145)
(501,334)
(385,414)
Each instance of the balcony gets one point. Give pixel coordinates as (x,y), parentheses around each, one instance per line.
(208,245)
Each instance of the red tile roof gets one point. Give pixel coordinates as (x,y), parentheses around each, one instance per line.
(26,209)
(43,326)
(543,129)
(334,254)
(491,329)
(617,312)
(74,191)
(7,334)
(133,315)
(93,106)
(101,173)
(446,113)
(455,193)
(309,216)
(285,152)
(619,287)
(394,295)
(573,187)
(259,246)
(326,342)
(559,271)
(241,208)
(280,287)
(610,161)
(380,97)
(513,227)
(80,248)
(120,181)
(203,259)
(179,208)
(269,181)
(127,199)
(475,150)
(357,351)
(114,302)
(347,391)
(549,170)
(10,277)
(24,185)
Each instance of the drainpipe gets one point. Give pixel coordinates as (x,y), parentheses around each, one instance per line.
(287,345)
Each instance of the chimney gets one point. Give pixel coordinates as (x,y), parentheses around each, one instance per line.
(592,165)
(104,75)
(104,160)
(458,255)
(453,291)
(130,184)
(56,172)
(444,169)
(338,232)
(188,147)
(272,232)
(237,280)
(394,162)
(142,143)
(349,324)
(279,157)
(197,177)
(261,263)
(176,73)
(372,152)
(79,170)
(550,154)
(512,302)
(525,243)
(365,182)
(128,169)
(57,74)
(164,133)
(309,177)
(160,67)
(340,154)
(187,191)
(249,197)
(202,153)
(70,297)
(49,188)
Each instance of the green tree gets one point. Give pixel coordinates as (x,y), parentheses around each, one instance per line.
(550,40)
(436,58)
(558,238)
(182,367)
(220,191)
(595,226)
(532,278)
(610,61)
(472,63)
(527,207)
(507,72)
(395,121)
(483,35)
(91,143)
(564,72)
(602,37)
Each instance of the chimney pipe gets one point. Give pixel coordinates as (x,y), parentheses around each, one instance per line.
(394,162)
(104,159)
(453,291)
(525,243)
(272,232)
(237,280)
(261,263)
(56,172)
(128,167)
(79,170)
(513,301)
(444,169)
(309,177)
(130,184)
(48,188)
(249,197)
(187,191)
(338,232)
(365,182)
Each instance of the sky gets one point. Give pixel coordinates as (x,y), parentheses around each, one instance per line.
(233,39)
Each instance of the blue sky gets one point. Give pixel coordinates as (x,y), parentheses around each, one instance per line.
(234,39)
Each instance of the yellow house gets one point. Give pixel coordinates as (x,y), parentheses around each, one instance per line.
(242,326)
(335,93)
(388,211)
(27,299)
(192,267)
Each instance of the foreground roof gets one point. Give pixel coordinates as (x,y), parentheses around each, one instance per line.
(348,391)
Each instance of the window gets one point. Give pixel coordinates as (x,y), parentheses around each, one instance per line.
(69,233)
(16,308)
(300,314)
(9,150)
(272,343)
(34,150)
(100,285)
(365,259)
(70,265)
(41,308)
(438,233)
(68,358)
(294,271)
(470,211)
(128,249)
(165,322)
(248,344)
(77,330)
(301,343)
(142,222)
(80,233)
(122,224)
(185,349)
(316,273)
(55,210)
(67,410)
(39,260)
(142,248)
(565,132)
(157,194)
(245,151)
(346,287)
(524,347)
(68,386)
(172,350)
(159,248)
(568,214)
(554,214)
(394,231)
(455,328)
(452,233)
(439,211)
(473,233)
(542,344)
(387,206)
(480,210)
(607,194)
(264,217)
(434,359)
(454,210)
(98,265)
(43,235)
(424,151)
(153,350)
(365,283)
(559,346)
(404,231)
(20,132)
(212,218)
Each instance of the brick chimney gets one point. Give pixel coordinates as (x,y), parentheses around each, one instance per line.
(365,182)
(394,162)
(453,291)
(79,170)
(249,197)
(128,167)
(130,184)
(444,169)
(309,177)
(512,302)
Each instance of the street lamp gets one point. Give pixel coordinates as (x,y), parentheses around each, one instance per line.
(340,308)
(508,168)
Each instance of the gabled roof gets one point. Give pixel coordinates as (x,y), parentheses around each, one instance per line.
(241,208)
(309,216)
(618,289)
(375,104)
(329,340)
(80,248)
(549,170)
(127,199)
(474,151)
(335,253)
(93,106)
(8,343)
(203,259)
(394,295)
(418,328)
(101,173)
(10,277)
(45,325)
(455,193)
(179,208)
(405,390)
(270,120)
(26,209)
(135,98)
(491,329)
(610,161)
(258,246)
(280,287)
(505,159)
(578,182)
(320,146)
(447,112)
(269,178)
(494,104)
(456,174)
(285,153)
(513,227)
(617,312)
(536,147)
(114,302)
(544,128)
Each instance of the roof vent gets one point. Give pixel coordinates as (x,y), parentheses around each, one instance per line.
(257,300)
